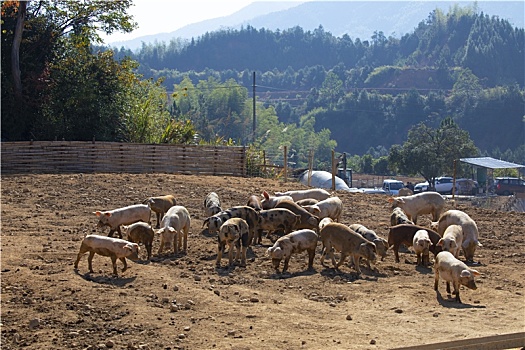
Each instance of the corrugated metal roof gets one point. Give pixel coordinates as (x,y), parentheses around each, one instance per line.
(491,163)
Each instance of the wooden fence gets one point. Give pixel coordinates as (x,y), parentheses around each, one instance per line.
(114,157)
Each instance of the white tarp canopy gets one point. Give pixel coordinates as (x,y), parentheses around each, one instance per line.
(323,179)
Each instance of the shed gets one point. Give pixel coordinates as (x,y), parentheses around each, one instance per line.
(484,163)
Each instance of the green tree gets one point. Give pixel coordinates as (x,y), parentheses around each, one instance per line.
(331,89)
(53,30)
(431,152)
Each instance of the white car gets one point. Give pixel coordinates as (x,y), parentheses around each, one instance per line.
(444,186)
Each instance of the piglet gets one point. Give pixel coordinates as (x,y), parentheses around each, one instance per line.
(293,243)
(453,270)
(108,246)
(140,232)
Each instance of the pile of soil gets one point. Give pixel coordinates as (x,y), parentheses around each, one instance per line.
(182,301)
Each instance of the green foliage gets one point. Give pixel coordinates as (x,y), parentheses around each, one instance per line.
(381,74)
(300,140)
(178,132)
(146,113)
(68,91)
(217,109)
(431,152)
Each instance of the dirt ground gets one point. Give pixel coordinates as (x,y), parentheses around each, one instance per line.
(184,302)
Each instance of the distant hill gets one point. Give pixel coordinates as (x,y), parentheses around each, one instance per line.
(358,19)
(254,10)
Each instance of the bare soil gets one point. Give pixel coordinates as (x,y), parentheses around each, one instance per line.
(184,302)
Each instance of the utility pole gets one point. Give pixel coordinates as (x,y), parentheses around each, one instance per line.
(254,118)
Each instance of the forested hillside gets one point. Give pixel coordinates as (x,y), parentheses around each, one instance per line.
(315,92)
(464,64)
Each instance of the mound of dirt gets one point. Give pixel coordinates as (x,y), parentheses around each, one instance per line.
(184,302)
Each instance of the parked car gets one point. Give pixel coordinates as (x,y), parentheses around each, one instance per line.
(392,187)
(466,187)
(508,185)
(443,185)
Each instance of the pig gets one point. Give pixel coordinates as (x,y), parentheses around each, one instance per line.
(244,212)
(174,228)
(404,234)
(325,222)
(212,204)
(418,204)
(115,248)
(399,217)
(405,191)
(348,242)
(307,220)
(140,232)
(270,202)
(307,201)
(453,270)
(293,243)
(254,202)
(469,227)
(314,193)
(277,218)
(122,216)
(331,207)
(422,243)
(381,243)
(160,205)
(452,240)
(234,232)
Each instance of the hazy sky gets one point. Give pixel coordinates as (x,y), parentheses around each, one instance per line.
(163,16)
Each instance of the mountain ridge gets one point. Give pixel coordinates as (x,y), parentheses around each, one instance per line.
(358,19)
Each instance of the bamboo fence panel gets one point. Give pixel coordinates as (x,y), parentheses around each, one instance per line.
(114,157)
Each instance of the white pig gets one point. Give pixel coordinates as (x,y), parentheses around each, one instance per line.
(174,227)
(453,270)
(421,244)
(452,240)
(123,216)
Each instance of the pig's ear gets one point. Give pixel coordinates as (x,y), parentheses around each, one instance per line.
(171,229)
(108,214)
(97,213)
(440,242)
(390,199)
(207,221)
(469,272)
(128,247)
(266,195)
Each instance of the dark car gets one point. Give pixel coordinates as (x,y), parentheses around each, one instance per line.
(508,185)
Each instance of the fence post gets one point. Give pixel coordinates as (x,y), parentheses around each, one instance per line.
(264,162)
(310,166)
(333,170)
(285,163)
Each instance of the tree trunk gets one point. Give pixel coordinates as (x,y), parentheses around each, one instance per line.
(15,51)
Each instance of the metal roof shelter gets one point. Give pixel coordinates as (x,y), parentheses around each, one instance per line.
(483,164)
(491,163)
